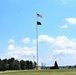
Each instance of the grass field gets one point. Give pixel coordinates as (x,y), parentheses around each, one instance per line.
(40,72)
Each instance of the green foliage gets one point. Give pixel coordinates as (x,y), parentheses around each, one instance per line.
(22,64)
(12,64)
(56,65)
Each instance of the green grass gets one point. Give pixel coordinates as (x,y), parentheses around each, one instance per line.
(40,72)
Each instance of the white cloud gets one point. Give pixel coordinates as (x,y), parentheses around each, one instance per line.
(45,38)
(64,26)
(18,52)
(62,42)
(10,47)
(71,21)
(11,41)
(26,40)
(59,43)
(65,51)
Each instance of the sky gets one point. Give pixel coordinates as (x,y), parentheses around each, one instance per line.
(56,35)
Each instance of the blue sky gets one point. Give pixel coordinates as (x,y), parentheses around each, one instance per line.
(56,35)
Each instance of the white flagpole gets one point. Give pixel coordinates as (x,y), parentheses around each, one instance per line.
(37,15)
(37,39)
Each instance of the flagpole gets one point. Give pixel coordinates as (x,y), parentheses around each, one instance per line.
(37,40)
(37,23)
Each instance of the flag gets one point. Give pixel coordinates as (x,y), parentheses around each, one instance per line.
(39,15)
(39,23)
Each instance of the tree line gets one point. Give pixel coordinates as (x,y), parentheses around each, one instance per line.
(13,64)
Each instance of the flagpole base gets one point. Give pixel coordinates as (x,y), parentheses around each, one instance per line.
(38,68)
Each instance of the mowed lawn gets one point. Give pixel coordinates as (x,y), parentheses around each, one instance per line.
(40,72)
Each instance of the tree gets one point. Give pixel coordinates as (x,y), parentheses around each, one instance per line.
(30,65)
(56,65)
(11,63)
(17,65)
(22,64)
(1,64)
(5,64)
(27,64)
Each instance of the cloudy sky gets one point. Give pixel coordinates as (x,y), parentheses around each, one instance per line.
(56,35)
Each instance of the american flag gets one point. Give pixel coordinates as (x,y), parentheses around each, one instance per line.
(39,15)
